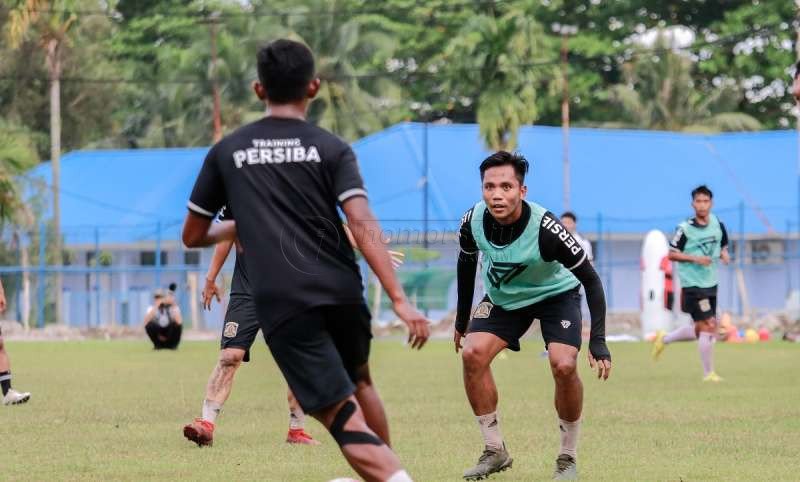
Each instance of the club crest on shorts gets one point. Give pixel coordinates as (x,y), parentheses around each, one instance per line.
(483,310)
(230,330)
(705,304)
(565,323)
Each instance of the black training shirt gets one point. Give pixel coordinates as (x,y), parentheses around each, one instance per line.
(284,179)
(240,284)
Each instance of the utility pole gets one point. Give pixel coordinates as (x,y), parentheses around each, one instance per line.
(797,110)
(54,67)
(213,23)
(566,31)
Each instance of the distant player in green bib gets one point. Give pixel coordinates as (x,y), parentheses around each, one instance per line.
(532,268)
(699,244)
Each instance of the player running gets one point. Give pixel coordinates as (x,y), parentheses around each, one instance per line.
(238,334)
(10,396)
(532,268)
(284,179)
(698,244)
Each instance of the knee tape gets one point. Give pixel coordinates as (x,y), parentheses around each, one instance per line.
(344,437)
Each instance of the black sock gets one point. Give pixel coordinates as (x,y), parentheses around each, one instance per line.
(5,381)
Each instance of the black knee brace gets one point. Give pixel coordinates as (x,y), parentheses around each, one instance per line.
(344,437)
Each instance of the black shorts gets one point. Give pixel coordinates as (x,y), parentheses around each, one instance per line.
(559,317)
(241,325)
(701,303)
(320,352)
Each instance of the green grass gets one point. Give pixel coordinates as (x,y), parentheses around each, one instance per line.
(114,410)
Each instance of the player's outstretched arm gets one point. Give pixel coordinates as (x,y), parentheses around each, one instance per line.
(210,289)
(556,244)
(366,232)
(199,231)
(599,355)
(466,268)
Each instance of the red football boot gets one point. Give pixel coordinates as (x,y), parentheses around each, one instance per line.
(299,436)
(200,432)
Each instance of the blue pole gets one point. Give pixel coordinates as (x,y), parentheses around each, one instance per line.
(42,280)
(741,252)
(97,276)
(158,254)
(609,272)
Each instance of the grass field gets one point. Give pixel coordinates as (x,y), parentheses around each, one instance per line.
(114,411)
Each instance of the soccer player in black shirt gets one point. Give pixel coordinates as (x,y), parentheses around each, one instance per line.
(532,268)
(238,334)
(285,178)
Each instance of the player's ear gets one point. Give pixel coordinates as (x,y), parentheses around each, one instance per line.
(523,190)
(313,88)
(260,90)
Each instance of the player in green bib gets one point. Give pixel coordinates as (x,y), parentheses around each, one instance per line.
(532,268)
(698,246)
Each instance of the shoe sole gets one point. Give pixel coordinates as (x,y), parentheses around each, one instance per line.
(302,442)
(20,401)
(193,435)
(502,468)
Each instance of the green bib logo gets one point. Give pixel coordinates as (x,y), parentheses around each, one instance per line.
(503,273)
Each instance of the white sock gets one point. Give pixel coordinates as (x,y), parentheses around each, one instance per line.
(211,410)
(569,437)
(490,429)
(684,333)
(297,419)
(400,476)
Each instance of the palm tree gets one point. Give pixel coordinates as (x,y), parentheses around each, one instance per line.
(50,23)
(344,48)
(660,93)
(492,62)
(17,155)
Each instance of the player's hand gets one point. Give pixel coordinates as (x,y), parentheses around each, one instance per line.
(397,258)
(457,337)
(725,257)
(703,260)
(600,358)
(2,302)
(603,367)
(418,330)
(210,290)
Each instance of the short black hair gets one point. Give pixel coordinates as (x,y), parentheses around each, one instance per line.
(503,158)
(702,189)
(285,68)
(797,69)
(570,214)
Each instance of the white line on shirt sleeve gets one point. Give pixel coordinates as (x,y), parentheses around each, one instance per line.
(194,207)
(356,191)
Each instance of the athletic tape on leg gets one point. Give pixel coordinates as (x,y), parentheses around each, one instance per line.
(344,437)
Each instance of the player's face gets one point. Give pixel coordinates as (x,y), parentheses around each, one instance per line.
(503,193)
(568,223)
(796,88)
(702,205)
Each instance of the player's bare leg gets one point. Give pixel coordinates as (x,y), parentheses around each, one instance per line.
(569,404)
(372,405)
(477,355)
(364,451)
(10,396)
(297,424)
(218,389)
